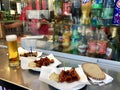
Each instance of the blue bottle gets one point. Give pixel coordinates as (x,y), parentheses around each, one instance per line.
(116,15)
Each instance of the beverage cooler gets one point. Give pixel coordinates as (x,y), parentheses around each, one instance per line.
(89,28)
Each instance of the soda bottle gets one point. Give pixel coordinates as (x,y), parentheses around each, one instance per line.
(110,49)
(60,38)
(66,37)
(66,7)
(74,40)
(57,7)
(82,44)
(92,43)
(102,43)
(107,14)
(96,13)
(116,15)
(55,36)
(85,9)
(76,11)
(44,4)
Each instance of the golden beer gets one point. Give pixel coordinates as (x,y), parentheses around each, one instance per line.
(13,54)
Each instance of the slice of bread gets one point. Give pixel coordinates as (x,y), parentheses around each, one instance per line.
(93,70)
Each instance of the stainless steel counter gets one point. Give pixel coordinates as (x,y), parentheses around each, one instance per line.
(30,78)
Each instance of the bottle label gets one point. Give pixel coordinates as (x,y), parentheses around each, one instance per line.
(118,3)
(66,41)
(102,46)
(109,51)
(66,8)
(82,48)
(108,13)
(74,42)
(44,4)
(92,45)
(116,15)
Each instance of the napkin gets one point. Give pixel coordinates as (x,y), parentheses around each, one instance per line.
(21,51)
(107,80)
(46,72)
(26,60)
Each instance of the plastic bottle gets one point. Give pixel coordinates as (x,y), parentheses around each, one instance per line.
(76,11)
(96,13)
(60,38)
(110,49)
(66,37)
(57,7)
(116,15)
(107,15)
(82,44)
(66,7)
(92,43)
(74,40)
(85,9)
(102,43)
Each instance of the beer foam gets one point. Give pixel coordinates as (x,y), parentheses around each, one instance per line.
(11,37)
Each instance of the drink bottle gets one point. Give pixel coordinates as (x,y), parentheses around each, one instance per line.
(44,5)
(66,37)
(117,44)
(60,38)
(76,11)
(57,7)
(74,40)
(107,14)
(92,43)
(66,7)
(102,42)
(82,44)
(96,13)
(116,14)
(85,9)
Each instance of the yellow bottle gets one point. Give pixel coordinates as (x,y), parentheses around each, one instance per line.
(85,9)
(66,38)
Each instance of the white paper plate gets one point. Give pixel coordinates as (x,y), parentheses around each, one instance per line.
(26,60)
(21,50)
(45,73)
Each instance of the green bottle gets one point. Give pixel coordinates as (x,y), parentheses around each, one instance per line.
(96,13)
(74,40)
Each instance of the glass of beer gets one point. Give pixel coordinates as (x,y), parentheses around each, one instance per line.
(13,54)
